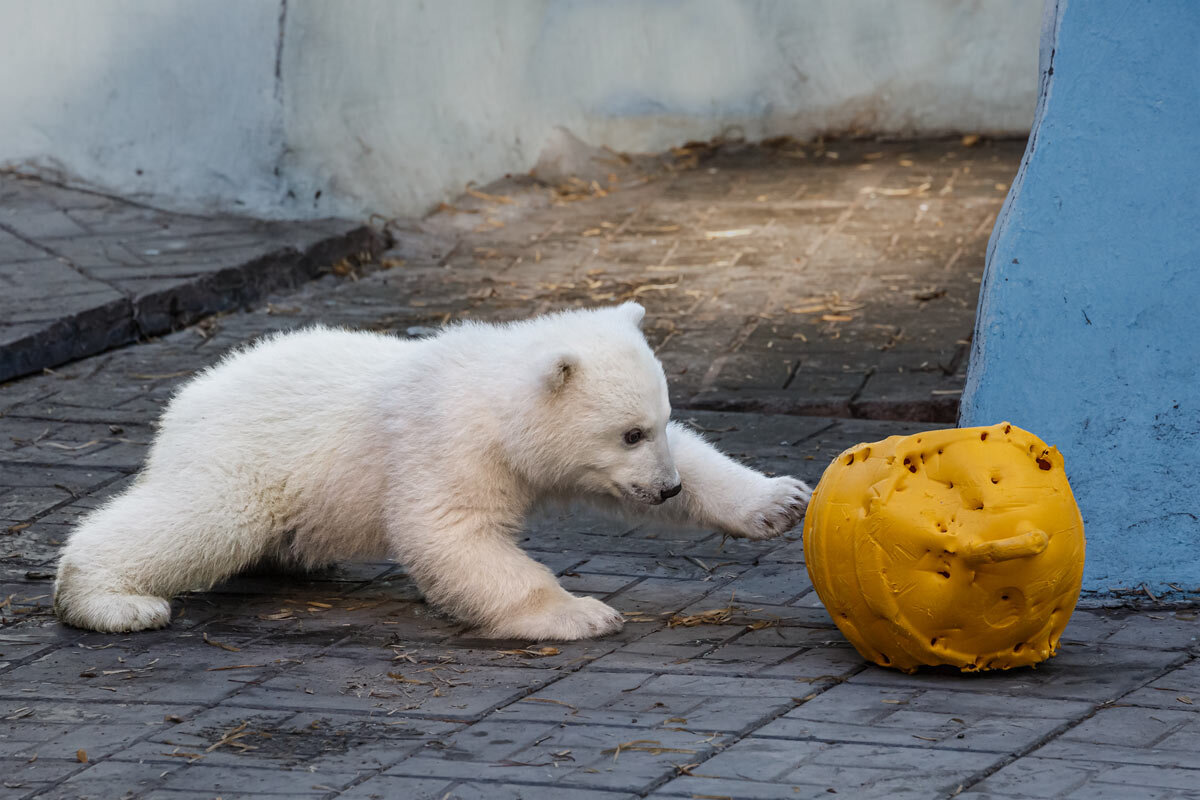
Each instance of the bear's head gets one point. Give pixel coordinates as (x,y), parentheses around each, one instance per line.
(598,417)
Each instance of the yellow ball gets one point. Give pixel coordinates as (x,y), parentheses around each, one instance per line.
(961,546)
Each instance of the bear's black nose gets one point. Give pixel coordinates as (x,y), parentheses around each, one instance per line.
(668,493)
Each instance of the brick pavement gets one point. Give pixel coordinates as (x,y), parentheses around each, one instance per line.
(836,280)
(81,272)
(344,684)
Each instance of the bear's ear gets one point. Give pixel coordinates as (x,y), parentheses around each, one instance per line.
(635,311)
(559,371)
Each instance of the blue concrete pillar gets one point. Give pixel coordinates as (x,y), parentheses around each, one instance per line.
(1088,332)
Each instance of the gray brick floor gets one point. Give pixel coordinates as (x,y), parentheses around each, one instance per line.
(345,684)
(81,272)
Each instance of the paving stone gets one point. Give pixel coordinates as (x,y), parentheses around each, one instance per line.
(14,650)
(878,770)
(758,615)
(110,779)
(142,672)
(386,787)
(984,703)
(683,640)
(771,584)
(755,759)
(33,739)
(827,765)
(723,687)
(850,703)
(793,636)
(1168,631)
(1185,758)
(47,290)
(25,778)
(599,585)
(1182,736)
(661,708)
(658,595)
(737,715)
(216,780)
(914,395)
(1135,777)
(41,488)
(582,755)
(205,726)
(742,789)
(356,684)
(656,566)
(533,710)
(1098,674)
(587,690)
(754,436)
(1097,790)
(670,660)
(79,444)
(14,250)
(1034,777)
(259,738)
(732,659)
(819,665)
(511,791)
(1131,726)
(1087,626)
(910,728)
(283,613)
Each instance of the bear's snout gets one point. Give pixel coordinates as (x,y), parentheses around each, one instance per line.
(653,495)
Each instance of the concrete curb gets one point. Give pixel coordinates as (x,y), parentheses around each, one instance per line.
(92,330)
(934,409)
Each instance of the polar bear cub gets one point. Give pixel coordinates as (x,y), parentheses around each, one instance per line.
(327,445)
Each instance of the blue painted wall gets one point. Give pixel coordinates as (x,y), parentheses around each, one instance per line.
(1088,331)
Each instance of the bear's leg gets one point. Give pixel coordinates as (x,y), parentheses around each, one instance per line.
(477,573)
(123,564)
(720,493)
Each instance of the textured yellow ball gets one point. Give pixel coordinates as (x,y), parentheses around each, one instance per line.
(961,546)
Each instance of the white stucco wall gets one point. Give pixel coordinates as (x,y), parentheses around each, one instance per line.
(174,101)
(390,107)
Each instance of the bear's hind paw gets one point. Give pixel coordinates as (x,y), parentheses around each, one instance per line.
(111,612)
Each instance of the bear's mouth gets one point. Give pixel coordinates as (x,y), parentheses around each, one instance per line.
(643,496)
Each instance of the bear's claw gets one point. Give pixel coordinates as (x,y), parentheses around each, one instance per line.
(773,509)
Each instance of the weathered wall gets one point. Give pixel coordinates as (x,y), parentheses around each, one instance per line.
(391,107)
(176,101)
(1087,329)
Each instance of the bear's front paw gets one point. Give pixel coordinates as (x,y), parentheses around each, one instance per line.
(562,619)
(771,509)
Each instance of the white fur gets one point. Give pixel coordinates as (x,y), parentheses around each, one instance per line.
(323,445)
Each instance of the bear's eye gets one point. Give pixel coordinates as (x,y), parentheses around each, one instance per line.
(634,435)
